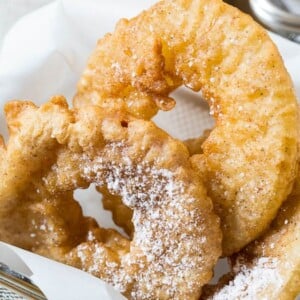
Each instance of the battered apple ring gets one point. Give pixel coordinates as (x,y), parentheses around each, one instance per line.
(268,268)
(207,45)
(121,213)
(53,150)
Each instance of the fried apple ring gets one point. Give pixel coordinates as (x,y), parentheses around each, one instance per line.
(122,214)
(53,150)
(268,268)
(207,45)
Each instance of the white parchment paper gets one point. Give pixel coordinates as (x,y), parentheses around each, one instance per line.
(43,54)
(57,281)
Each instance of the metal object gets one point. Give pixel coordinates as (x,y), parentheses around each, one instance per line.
(15,286)
(276,16)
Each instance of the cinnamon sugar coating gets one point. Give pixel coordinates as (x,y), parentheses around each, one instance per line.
(53,150)
(269,268)
(249,159)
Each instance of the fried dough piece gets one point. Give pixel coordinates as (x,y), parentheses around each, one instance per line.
(268,268)
(32,217)
(249,159)
(121,214)
(194,145)
(53,150)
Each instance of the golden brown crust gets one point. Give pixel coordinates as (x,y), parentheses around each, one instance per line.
(249,159)
(121,214)
(268,268)
(194,145)
(53,150)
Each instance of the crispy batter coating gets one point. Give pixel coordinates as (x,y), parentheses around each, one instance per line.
(268,268)
(121,214)
(194,145)
(53,150)
(250,156)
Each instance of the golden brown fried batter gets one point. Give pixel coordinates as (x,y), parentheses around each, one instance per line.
(194,145)
(53,150)
(268,268)
(249,159)
(121,214)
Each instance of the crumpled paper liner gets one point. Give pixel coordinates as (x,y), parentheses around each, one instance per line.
(57,281)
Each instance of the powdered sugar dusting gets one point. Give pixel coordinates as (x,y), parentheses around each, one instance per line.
(252,282)
(166,248)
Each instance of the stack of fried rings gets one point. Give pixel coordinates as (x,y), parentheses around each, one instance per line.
(249,159)
(248,164)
